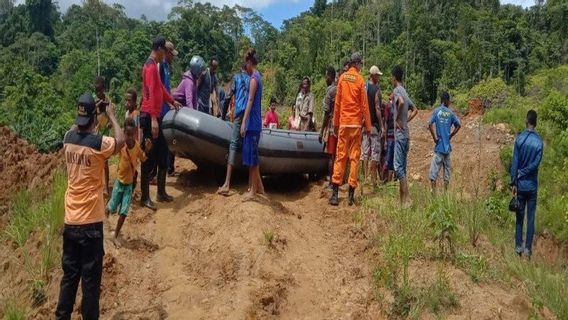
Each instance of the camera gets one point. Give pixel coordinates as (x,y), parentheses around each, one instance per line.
(103,106)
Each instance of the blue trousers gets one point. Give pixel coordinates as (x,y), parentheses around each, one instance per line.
(401,146)
(527,200)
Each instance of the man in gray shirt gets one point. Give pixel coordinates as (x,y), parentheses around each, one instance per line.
(207,84)
(402,106)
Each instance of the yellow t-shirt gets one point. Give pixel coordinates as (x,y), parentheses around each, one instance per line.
(85,156)
(129,162)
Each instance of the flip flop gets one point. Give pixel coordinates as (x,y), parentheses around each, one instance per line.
(223,192)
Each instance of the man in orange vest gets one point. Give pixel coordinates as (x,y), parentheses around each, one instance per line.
(351,112)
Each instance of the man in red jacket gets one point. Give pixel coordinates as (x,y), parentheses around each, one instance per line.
(154,95)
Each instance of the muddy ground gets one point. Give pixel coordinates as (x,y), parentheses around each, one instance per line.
(286,256)
(22,166)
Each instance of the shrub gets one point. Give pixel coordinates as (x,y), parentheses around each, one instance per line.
(35,111)
(493,93)
(442,222)
(506,156)
(555,110)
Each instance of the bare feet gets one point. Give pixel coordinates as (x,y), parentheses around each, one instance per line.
(249,196)
(115,240)
(117,243)
(223,190)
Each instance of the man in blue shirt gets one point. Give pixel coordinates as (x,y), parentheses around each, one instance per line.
(239,90)
(527,155)
(443,119)
(165,76)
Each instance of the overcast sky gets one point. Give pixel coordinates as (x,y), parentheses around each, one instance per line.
(274,11)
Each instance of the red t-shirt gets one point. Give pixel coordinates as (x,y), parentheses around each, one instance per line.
(153,91)
(270,117)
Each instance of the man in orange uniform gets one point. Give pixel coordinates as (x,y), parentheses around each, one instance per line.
(85,155)
(350,113)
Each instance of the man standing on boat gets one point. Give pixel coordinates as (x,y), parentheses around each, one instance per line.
(305,104)
(351,112)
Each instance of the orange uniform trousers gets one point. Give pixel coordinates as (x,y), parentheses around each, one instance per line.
(348,147)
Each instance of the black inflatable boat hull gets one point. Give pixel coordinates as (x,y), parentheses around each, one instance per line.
(205,139)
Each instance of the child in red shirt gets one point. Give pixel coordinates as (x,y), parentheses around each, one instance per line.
(271,117)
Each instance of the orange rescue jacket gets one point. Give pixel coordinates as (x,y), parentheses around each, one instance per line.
(351,105)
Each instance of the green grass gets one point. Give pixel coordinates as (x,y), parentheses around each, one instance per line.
(27,216)
(410,301)
(13,311)
(447,229)
(546,286)
(439,295)
(476,266)
(269,238)
(43,217)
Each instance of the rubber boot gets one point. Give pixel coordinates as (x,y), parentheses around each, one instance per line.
(351,196)
(162,195)
(145,200)
(334,201)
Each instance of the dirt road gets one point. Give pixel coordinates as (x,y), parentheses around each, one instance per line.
(290,256)
(212,257)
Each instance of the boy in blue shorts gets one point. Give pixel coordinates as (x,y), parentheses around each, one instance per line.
(443,119)
(122,190)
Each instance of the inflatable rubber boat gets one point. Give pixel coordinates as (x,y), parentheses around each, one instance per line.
(205,139)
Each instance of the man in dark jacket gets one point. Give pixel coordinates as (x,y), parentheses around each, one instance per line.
(527,155)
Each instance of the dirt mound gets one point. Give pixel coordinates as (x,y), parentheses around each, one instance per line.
(22,166)
(475,107)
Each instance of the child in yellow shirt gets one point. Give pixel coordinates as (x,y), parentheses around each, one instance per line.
(122,190)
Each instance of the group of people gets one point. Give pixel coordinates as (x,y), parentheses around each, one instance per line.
(89,145)
(356,121)
(357,127)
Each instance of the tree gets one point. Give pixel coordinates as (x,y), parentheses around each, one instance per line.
(42,15)
(319,7)
(5,7)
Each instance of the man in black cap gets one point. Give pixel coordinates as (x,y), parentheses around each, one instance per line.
(85,156)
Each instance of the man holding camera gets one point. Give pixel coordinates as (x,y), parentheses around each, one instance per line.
(85,155)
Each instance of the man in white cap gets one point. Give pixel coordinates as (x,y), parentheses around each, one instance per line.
(371,150)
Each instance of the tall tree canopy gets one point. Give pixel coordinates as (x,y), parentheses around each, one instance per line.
(441,44)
